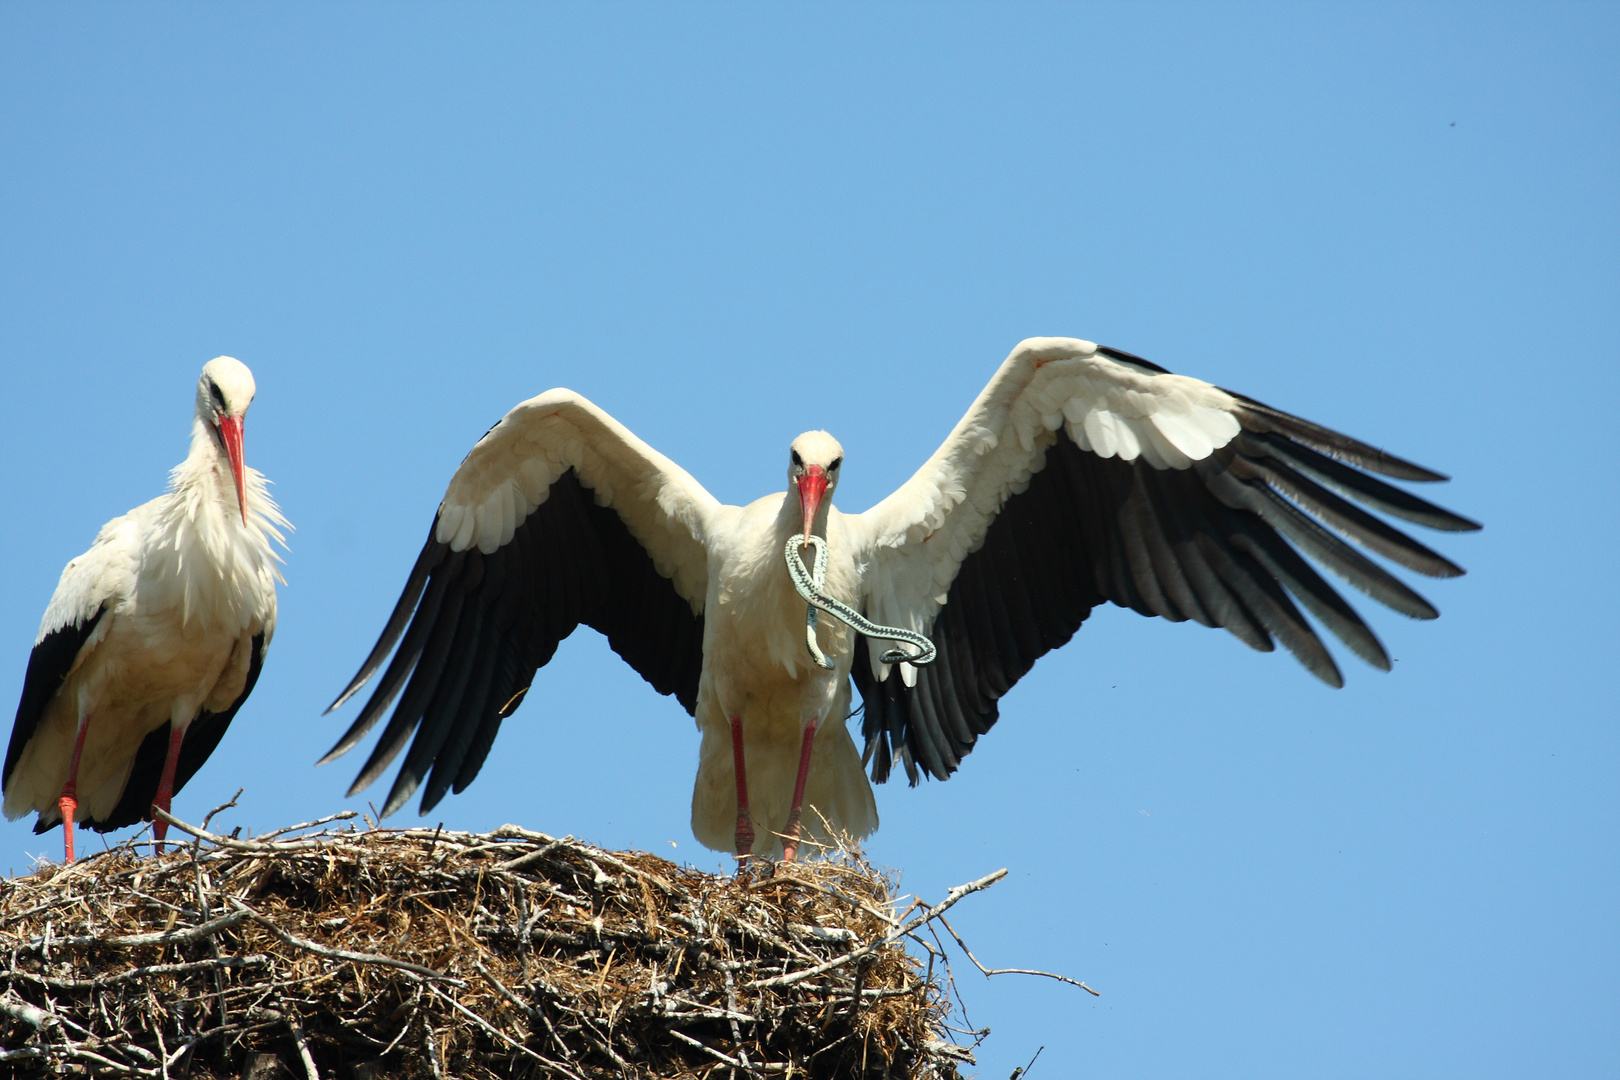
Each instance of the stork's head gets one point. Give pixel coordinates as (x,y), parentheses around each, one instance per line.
(224,393)
(813,464)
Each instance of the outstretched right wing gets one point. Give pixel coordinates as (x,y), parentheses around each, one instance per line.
(558,516)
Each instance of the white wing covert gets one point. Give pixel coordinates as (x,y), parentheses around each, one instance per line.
(558,516)
(1083,474)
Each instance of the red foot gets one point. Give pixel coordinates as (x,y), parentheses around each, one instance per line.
(69,801)
(68,804)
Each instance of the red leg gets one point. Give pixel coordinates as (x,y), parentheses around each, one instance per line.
(69,802)
(165,791)
(745,820)
(790,846)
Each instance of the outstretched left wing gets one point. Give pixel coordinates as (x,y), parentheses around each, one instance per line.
(1084,474)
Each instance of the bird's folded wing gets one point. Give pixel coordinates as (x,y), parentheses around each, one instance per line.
(75,622)
(1084,474)
(558,516)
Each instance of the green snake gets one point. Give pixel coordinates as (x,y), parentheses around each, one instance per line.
(810,583)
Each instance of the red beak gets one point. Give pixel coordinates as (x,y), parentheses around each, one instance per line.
(812,486)
(230,431)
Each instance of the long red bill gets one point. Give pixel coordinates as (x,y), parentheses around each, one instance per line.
(230,431)
(812,486)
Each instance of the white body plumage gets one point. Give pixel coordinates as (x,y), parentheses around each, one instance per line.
(175,596)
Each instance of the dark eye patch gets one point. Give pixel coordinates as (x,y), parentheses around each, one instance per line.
(218,395)
(797,460)
(836,462)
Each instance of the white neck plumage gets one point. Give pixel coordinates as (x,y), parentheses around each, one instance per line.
(211,541)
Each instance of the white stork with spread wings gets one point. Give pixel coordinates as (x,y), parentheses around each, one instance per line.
(1080,475)
(153,638)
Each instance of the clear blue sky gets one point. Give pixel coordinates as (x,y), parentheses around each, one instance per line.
(727,224)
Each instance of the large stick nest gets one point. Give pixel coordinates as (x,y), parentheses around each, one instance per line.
(419,952)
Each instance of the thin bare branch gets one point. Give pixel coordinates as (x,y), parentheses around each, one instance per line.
(302,1043)
(1011,971)
(29,1015)
(341,815)
(221,808)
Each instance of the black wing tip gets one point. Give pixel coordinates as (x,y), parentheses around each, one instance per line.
(360,679)
(1256,415)
(352,738)
(1402,469)
(426,561)
(405,785)
(382,756)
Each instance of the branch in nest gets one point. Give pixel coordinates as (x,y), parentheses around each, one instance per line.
(950,900)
